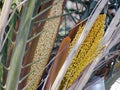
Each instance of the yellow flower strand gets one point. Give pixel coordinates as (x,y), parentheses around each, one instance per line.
(86,53)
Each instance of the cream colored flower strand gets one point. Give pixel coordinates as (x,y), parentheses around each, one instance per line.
(45,44)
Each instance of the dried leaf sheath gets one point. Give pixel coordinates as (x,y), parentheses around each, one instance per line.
(85,53)
(58,62)
(45,44)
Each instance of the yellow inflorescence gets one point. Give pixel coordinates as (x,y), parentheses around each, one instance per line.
(86,53)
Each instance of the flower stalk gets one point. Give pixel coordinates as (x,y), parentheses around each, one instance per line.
(18,52)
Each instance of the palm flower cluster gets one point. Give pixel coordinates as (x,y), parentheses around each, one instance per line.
(45,45)
(86,52)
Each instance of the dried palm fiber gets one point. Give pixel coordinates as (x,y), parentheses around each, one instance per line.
(85,53)
(58,62)
(45,45)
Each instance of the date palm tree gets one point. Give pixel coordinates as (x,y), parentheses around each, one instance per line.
(46,44)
